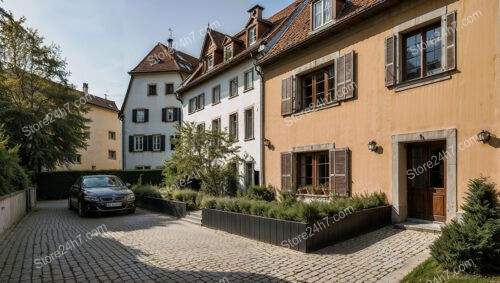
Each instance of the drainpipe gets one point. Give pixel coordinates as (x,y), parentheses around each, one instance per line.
(262,117)
(121,117)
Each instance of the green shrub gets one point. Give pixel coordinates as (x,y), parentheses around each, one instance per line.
(244,205)
(187,196)
(477,237)
(146,191)
(287,199)
(308,212)
(260,208)
(208,202)
(260,193)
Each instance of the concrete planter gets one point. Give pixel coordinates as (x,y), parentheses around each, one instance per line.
(14,206)
(171,207)
(304,237)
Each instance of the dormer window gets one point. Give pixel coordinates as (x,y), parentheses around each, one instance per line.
(252,35)
(228,53)
(210,62)
(322,13)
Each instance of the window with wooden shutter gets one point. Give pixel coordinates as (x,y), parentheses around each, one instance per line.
(448,26)
(390,60)
(339,171)
(286,96)
(286,171)
(344,69)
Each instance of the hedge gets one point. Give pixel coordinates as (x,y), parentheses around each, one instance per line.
(55,185)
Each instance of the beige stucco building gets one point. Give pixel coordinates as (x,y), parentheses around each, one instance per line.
(418,80)
(104,137)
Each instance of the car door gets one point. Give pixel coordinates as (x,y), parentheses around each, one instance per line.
(74,192)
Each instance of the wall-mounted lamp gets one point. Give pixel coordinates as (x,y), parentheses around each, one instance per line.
(372,146)
(483,136)
(267,142)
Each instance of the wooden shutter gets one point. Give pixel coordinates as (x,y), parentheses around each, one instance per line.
(390,60)
(339,171)
(164,114)
(134,115)
(286,96)
(344,73)
(286,171)
(162,145)
(131,143)
(146,115)
(448,40)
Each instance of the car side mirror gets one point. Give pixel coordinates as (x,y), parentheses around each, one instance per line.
(128,185)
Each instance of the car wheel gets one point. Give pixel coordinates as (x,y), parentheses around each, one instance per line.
(81,210)
(131,211)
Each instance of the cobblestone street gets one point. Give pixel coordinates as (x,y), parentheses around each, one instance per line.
(150,247)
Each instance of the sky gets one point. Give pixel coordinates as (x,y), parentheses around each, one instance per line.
(102,40)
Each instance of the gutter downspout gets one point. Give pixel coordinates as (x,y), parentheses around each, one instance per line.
(262,120)
(121,117)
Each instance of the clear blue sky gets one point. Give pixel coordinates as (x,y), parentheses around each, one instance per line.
(104,39)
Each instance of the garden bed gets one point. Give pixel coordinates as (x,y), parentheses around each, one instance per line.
(304,237)
(171,207)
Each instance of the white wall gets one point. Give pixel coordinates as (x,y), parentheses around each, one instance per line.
(228,106)
(138,98)
(13,208)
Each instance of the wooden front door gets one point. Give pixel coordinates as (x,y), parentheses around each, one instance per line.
(427,181)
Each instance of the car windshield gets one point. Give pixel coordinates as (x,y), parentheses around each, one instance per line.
(101,182)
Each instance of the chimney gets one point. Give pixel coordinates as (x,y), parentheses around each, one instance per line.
(337,8)
(256,12)
(85,89)
(170,41)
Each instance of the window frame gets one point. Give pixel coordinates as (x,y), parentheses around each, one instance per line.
(235,79)
(112,154)
(156,141)
(316,26)
(167,85)
(422,32)
(111,135)
(136,139)
(143,116)
(199,104)
(314,92)
(249,123)
(210,62)
(150,87)
(236,126)
(249,33)
(228,55)
(249,179)
(246,80)
(214,101)
(315,156)
(78,159)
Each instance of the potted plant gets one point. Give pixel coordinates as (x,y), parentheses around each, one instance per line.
(318,190)
(310,190)
(302,190)
(326,189)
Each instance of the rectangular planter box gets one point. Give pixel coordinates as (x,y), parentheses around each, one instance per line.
(171,207)
(296,235)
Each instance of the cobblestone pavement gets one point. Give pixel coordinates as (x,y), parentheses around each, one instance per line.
(149,247)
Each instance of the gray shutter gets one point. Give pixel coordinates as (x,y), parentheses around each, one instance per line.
(146,115)
(339,171)
(177,114)
(286,96)
(286,171)
(131,143)
(340,78)
(134,115)
(390,60)
(148,144)
(162,143)
(448,41)
(164,114)
(349,75)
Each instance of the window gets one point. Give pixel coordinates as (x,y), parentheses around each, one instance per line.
(233,125)
(249,124)
(228,53)
(156,142)
(216,125)
(112,154)
(78,159)
(173,140)
(249,174)
(249,79)
(140,116)
(86,135)
(252,36)
(200,128)
(216,94)
(142,167)
(233,87)
(192,105)
(152,89)
(422,52)
(200,102)
(322,13)
(138,143)
(111,135)
(319,88)
(314,169)
(169,88)
(210,62)
(170,114)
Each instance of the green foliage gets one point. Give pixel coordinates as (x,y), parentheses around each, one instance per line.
(37,104)
(55,185)
(210,155)
(187,196)
(12,175)
(294,210)
(287,199)
(477,237)
(146,191)
(261,193)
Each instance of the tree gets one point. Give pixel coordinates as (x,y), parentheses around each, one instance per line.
(208,156)
(477,236)
(41,111)
(12,175)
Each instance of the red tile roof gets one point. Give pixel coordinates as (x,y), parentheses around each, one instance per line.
(300,30)
(163,59)
(277,21)
(104,103)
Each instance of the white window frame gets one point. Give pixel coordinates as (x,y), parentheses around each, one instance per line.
(323,11)
(236,128)
(143,120)
(231,86)
(138,143)
(248,82)
(156,142)
(213,94)
(170,114)
(252,37)
(249,123)
(210,61)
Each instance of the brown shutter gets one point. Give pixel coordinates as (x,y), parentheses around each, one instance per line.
(286,96)
(339,171)
(340,78)
(349,75)
(449,24)
(390,60)
(286,171)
